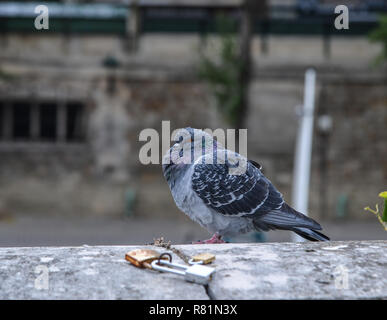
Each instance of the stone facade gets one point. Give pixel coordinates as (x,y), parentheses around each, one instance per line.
(158,82)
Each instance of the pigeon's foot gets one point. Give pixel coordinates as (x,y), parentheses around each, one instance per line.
(216,238)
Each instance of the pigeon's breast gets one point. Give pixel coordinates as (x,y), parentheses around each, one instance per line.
(193,206)
(188,201)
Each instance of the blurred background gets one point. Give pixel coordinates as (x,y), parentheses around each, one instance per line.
(74,98)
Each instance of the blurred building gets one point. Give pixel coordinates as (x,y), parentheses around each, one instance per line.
(74,98)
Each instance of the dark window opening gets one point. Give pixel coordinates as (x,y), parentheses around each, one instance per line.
(48,121)
(74,130)
(21,120)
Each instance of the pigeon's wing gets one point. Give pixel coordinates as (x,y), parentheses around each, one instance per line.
(249,193)
(255,164)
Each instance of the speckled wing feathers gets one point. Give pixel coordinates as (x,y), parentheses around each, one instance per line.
(235,195)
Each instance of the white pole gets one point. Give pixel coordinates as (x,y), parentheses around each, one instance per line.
(303,154)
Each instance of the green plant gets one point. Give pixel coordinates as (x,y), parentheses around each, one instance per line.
(382,218)
(380,35)
(222,71)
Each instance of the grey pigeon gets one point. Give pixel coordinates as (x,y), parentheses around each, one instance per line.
(198,170)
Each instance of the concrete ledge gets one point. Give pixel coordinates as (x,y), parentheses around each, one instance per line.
(331,270)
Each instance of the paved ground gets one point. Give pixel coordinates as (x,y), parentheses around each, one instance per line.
(56,231)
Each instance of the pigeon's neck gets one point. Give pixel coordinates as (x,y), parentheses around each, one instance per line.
(176,174)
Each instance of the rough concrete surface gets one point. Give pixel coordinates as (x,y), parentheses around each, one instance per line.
(330,270)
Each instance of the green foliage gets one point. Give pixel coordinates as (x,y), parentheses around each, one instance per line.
(222,71)
(380,35)
(382,217)
(384,196)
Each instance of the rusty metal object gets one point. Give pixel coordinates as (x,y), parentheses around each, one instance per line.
(142,258)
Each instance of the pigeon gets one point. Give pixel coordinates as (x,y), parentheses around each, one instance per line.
(226,193)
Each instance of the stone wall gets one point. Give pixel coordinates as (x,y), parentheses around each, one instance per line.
(172,50)
(357,153)
(322,270)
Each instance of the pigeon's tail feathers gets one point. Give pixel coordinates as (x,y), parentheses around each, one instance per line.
(286,218)
(311,235)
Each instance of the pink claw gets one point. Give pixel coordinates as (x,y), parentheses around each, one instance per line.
(216,238)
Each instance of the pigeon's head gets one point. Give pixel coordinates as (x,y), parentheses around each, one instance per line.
(192,138)
(189,145)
